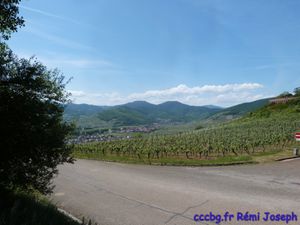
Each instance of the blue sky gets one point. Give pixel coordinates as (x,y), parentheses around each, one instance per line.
(199,52)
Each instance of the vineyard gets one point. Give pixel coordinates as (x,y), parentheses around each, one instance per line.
(239,138)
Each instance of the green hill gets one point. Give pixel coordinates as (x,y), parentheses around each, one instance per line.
(289,108)
(274,113)
(84,115)
(123,116)
(77,110)
(142,113)
(137,113)
(239,111)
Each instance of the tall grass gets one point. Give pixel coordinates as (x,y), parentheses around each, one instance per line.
(20,208)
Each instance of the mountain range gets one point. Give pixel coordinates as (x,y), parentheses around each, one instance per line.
(144,113)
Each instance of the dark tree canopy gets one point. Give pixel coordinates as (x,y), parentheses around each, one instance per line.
(297,91)
(285,94)
(9,19)
(33,134)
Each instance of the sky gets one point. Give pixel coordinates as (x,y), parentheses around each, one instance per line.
(198,52)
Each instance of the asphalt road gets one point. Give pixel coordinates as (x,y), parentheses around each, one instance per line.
(118,194)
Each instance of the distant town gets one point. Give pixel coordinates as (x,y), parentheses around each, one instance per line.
(121,133)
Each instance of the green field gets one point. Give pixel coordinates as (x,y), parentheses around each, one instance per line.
(267,131)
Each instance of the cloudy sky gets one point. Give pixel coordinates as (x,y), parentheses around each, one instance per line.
(198,52)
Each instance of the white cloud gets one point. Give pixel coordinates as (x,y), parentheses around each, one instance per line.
(183,89)
(223,95)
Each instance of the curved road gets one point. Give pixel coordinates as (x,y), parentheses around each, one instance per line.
(119,194)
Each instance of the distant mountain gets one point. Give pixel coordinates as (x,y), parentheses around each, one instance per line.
(213,107)
(185,113)
(123,115)
(140,112)
(84,115)
(74,110)
(139,105)
(239,110)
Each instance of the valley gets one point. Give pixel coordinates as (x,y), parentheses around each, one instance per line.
(246,133)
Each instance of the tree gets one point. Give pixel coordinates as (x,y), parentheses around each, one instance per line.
(9,19)
(285,94)
(297,91)
(33,134)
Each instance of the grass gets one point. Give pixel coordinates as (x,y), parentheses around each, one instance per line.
(269,155)
(22,208)
(170,161)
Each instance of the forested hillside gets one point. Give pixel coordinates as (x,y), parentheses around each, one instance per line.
(144,113)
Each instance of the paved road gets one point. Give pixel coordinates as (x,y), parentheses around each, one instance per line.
(118,194)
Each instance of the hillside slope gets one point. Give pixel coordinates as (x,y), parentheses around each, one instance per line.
(239,111)
(76,110)
(137,113)
(287,109)
(142,112)
(269,131)
(84,115)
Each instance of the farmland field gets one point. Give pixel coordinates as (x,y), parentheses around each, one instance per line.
(235,141)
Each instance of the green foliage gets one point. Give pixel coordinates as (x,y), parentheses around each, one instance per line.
(270,128)
(9,19)
(297,91)
(199,127)
(33,134)
(289,108)
(73,111)
(239,110)
(285,94)
(238,138)
(178,112)
(169,161)
(123,116)
(24,208)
